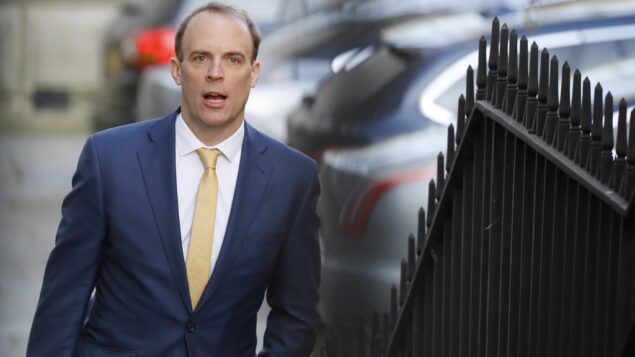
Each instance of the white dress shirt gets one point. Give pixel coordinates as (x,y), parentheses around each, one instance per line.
(189,170)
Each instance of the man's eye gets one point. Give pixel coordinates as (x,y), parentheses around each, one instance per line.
(234,60)
(200,58)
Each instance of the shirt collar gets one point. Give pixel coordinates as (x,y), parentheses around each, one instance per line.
(187,142)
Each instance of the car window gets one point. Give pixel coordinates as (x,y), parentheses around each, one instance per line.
(346,92)
(351,58)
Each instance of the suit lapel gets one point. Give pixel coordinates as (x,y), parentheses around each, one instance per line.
(253,176)
(157,161)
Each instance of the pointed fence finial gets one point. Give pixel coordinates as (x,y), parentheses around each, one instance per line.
(493,59)
(564,110)
(628,182)
(587,112)
(501,81)
(598,110)
(421,231)
(432,195)
(523,68)
(607,133)
(460,120)
(596,133)
(584,144)
(619,165)
(606,159)
(450,148)
(620,146)
(512,73)
(403,284)
(532,90)
(576,112)
(469,92)
(440,176)
(481,72)
(543,93)
(551,120)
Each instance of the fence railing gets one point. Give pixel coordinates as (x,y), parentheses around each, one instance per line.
(528,248)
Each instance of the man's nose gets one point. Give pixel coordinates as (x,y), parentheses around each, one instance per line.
(215,72)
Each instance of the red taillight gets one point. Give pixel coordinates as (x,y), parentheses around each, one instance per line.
(356,214)
(149,47)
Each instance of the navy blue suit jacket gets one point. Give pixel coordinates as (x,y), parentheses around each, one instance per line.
(120,234)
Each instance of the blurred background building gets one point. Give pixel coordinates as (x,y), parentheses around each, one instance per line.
(70,67)
(52,60)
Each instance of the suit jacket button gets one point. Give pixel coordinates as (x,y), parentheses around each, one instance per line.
(191,327)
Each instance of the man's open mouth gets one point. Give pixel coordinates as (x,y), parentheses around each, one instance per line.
(214,96)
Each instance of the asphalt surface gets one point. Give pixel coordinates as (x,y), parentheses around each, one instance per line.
(35,173)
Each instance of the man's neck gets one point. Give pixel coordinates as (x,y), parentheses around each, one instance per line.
(212,136)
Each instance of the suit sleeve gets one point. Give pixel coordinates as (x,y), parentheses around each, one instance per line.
(293,292)
(73,264)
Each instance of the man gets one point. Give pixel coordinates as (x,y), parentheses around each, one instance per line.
(180,224)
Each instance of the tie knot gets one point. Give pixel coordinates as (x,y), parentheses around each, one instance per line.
(208,157)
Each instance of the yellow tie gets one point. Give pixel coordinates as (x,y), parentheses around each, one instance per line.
(199,253)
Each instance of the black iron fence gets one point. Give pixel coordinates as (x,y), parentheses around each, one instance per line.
(528,248)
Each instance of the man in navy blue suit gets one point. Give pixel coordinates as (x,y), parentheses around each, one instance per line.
(180,224)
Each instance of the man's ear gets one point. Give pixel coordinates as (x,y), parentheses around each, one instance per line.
(175,70)
(255,73)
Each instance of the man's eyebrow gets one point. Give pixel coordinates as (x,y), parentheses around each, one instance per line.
(235,53)
(226,54)
(200,52)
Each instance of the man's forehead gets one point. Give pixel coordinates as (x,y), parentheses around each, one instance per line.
(205,19)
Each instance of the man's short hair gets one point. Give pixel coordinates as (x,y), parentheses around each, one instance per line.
(224,9)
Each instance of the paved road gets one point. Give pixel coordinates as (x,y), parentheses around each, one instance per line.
(35,174)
